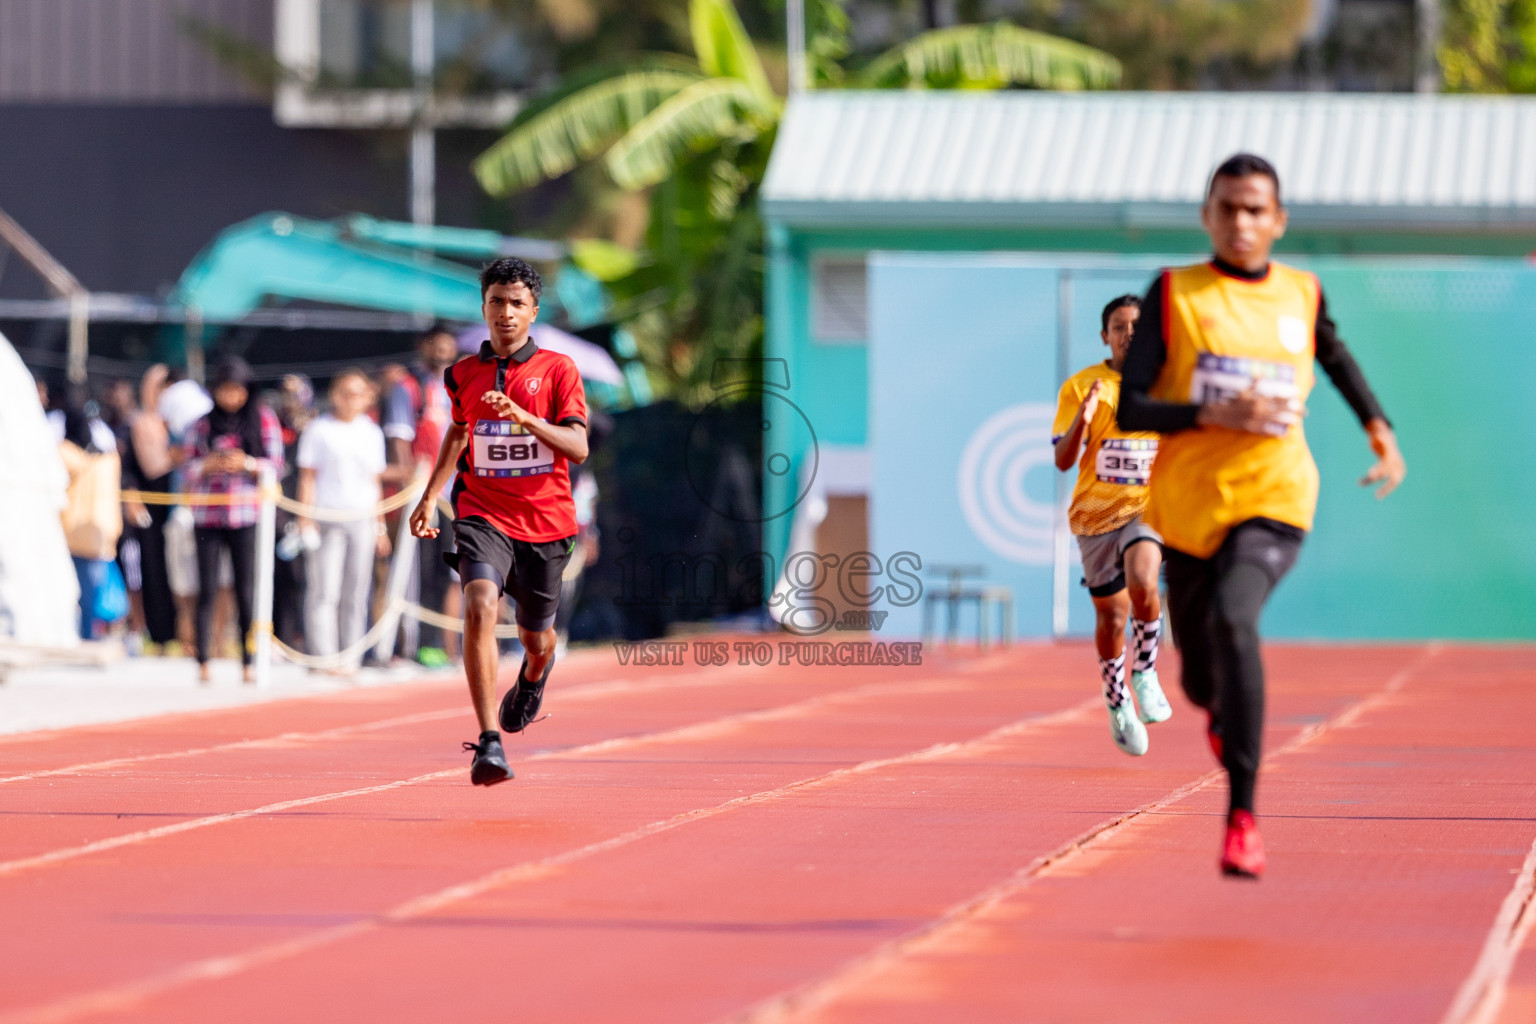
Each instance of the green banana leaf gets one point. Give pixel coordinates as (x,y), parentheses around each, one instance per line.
(723,47)
(990,56)
(696,117)
(577,123)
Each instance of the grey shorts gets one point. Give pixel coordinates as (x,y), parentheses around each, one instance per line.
(1104,556)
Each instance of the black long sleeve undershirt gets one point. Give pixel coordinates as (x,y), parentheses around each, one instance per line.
(1149,350)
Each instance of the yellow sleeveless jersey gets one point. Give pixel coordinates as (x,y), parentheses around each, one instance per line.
(1111,487)
(1223,335)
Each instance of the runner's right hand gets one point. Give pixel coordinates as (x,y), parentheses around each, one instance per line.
(421,519)
(1091,401)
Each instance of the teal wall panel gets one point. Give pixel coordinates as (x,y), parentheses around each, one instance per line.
(1446,341)
(962,385)
(1449,351)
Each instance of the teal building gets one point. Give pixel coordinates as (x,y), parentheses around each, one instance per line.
(937,261)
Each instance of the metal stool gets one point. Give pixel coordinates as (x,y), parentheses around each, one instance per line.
(956,594)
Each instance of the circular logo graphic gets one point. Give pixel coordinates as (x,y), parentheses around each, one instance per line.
(785,431)
(993,498)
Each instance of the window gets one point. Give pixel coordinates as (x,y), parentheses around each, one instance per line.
(839,312)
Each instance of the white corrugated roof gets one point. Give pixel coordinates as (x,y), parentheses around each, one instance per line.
(1143,158)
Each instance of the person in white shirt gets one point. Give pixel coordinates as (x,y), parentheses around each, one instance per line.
(341,458)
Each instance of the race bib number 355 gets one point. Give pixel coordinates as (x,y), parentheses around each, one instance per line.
(502,448)
(1125,460)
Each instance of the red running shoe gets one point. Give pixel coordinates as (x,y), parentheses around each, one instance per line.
(1213,735)
(1243,853)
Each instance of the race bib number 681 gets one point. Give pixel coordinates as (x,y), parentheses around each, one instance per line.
(502,448)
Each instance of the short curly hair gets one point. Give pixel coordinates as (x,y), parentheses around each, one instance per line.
(511,270)
(1118,302)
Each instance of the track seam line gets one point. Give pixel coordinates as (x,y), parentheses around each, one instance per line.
(814,995)
(62,854)
(125,996)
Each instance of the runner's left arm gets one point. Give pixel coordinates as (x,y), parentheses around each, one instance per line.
(1341,368)
(567,438)
(568,433)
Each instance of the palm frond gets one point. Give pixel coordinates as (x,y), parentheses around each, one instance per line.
(991,56)
(723,47)
(585,118)
(698,116)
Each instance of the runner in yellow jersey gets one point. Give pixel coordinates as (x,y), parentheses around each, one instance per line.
(1121,554)
(1220,365)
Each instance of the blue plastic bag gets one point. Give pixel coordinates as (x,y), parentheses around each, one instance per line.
(109,603)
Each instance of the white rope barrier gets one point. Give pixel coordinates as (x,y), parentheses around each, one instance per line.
(503,630)
(281,500)
(381,635)
(351,654)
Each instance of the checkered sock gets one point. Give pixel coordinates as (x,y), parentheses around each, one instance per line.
(1144,641)
(1113,671)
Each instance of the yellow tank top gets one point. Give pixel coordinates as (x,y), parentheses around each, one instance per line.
(1224,334)
(1111,487)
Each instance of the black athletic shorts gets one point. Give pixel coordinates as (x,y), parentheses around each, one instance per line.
(526,571)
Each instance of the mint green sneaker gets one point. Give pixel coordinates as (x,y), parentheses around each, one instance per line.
(1126,729)
(1151,704)
(433,657)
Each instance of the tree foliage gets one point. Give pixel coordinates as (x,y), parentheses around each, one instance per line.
(1179,44)
(1489,46)
(698,136)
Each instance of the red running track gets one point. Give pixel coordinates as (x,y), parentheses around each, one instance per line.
(957,840)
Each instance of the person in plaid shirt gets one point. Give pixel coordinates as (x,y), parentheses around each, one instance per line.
(226,451)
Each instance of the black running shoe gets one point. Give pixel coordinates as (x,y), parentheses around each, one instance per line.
(490,764)
(521,704)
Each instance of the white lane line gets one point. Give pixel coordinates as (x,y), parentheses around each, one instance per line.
(1481,995)
(718,726)
(601,688)
(679,733)
(277,740)
(123,997)
(12,867)
(815,995)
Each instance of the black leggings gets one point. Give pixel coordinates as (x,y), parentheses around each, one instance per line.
(1213,607)
(159,601)
(241,543)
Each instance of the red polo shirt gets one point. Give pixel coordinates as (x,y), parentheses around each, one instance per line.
(507,476)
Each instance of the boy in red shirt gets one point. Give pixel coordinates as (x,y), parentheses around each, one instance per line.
(519,420)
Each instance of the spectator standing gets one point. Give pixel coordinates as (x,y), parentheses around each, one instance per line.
(147,464)
(417,413)
(226,452)
(93,519)
(341,464)
(295,408)
(118,405)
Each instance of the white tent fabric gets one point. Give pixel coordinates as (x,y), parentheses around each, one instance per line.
(39,596)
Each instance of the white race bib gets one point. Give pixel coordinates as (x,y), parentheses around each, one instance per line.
(1223,378)
(502,448)
(1125,460)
